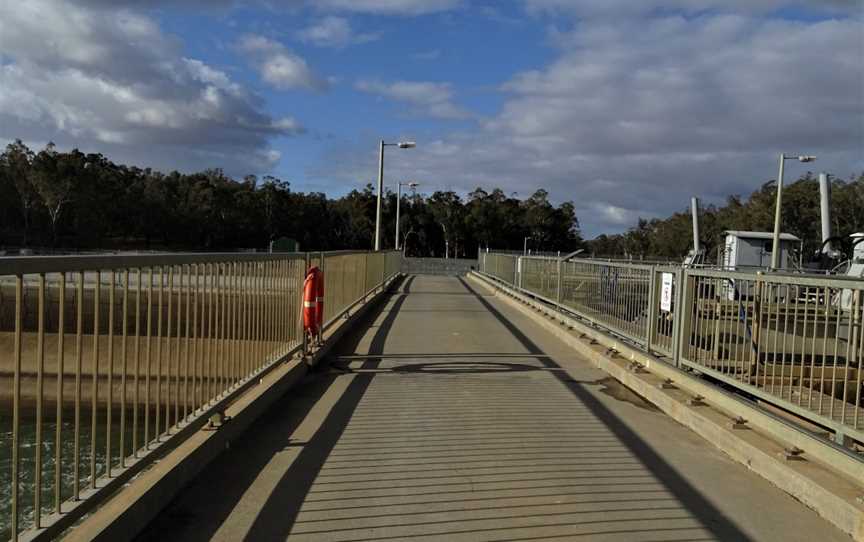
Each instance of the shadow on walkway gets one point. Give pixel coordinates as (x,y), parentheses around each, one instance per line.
(708,515)
(586,462)
(238,467)
(276,518)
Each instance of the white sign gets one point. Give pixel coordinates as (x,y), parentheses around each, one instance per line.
(666,293)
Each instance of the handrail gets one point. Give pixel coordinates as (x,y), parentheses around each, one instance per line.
(794,340)
(116,356)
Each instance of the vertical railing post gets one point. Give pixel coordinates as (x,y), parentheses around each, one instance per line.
(519,271)
(681,315)
(307,263)
(16,408)
(365,275)
(651,324)
(319,302)
(558,286)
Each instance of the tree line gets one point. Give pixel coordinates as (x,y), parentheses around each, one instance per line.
(71,200)
(672,237)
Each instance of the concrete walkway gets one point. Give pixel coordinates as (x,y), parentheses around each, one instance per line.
(453,417)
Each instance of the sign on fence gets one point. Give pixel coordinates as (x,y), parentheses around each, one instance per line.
(666,293)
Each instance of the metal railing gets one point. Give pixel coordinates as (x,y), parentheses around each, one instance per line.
(107,357)
(349,276)
(791,340)
(437,266)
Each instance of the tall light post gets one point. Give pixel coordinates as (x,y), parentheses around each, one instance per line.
(525,246)
(411,185)
(401,145)
(775,247)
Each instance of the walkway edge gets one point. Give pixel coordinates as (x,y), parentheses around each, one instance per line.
(835,497)
(128,512)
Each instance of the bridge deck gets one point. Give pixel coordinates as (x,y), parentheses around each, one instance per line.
(453,417)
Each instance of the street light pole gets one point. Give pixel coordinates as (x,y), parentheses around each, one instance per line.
(398,205)
(775,246)
(382,144)
(525,246)
(380,190)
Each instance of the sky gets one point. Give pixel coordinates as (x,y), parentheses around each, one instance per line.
(625,107)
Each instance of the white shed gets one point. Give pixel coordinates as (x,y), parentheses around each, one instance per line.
(744,250)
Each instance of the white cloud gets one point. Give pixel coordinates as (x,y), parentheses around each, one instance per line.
(334,32)
(111,81)
(289,125)
(428,98)
(633,118)
(616,215)
(620,8)
(280,67)
(380,7)
(716,83)
(387,7)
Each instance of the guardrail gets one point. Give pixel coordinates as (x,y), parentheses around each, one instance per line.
(792,341)
(106,358)
(437,266)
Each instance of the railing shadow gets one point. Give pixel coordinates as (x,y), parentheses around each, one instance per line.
(708,515)
(594,460)
(239,467)
(275,519)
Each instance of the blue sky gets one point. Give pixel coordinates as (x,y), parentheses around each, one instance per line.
(440,48)
(626,108)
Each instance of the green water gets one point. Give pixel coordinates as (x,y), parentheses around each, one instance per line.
(27,459)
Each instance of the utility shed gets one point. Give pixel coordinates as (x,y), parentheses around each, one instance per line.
(856,262)
(858,249)
(744,250)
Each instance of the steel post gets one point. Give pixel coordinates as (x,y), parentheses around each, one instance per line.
(680,316)
(398,205)
(653,310)
(825,211)
(380,192)
(694,209)
(775,247)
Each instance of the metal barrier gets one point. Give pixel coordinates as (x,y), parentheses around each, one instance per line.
(350,276)
(793,341)
(437,266)
(106,357)
(501,266)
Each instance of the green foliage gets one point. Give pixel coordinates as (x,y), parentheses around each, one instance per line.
(672,237)
(77,201)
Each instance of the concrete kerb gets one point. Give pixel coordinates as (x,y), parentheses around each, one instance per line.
(829,480)
(129,510)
